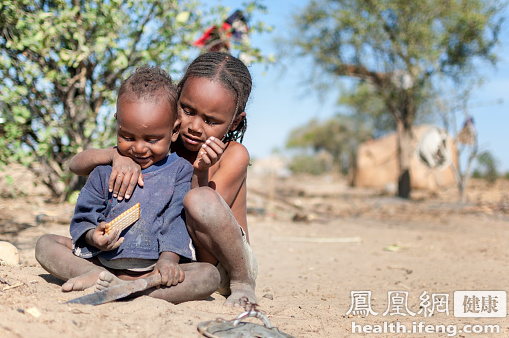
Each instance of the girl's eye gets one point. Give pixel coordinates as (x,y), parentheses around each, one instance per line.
(152,141)
(212,123)
(128,139)
(186,112)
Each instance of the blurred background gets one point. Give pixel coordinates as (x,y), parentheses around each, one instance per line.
(330,78)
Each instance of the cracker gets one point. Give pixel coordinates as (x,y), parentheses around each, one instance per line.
(125,219)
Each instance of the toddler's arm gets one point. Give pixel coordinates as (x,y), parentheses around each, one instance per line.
(125,172)
(100,239)
(168,266)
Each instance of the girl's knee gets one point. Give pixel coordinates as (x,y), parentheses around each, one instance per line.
(202,203)
(200,196)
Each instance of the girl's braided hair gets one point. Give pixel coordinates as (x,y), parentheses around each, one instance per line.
(232,74)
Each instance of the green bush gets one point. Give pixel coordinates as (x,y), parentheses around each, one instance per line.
(306,164)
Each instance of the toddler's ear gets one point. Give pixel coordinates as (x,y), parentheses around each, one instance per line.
(175,131)
(237,120)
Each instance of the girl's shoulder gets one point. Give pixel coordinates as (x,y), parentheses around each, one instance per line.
(235,157)
(236,150)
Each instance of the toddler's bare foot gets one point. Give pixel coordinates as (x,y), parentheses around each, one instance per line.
(106,280)
(241,291)
(82,282)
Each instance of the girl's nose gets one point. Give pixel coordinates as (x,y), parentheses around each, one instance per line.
(195,125)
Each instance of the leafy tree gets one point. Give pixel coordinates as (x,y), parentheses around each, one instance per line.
(62,60)
(403,49)
(487,167)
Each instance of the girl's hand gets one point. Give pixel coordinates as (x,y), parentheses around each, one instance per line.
(103,241)
(171,273)
(125,174)
(210,152)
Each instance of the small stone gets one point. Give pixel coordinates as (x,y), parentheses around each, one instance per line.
(33,311)
(268,296)
(9,254)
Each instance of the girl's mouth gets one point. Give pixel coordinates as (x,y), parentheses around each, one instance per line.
(191,140)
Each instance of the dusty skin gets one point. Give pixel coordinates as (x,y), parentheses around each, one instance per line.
(316,240)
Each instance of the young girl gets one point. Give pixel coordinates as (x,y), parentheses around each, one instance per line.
(212,98)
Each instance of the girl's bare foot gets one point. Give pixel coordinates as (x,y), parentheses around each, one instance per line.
(240,292)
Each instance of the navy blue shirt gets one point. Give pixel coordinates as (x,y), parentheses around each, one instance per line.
(161,226)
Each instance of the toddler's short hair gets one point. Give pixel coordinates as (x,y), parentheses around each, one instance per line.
(147,84)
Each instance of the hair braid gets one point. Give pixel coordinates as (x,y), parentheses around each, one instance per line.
(232,74)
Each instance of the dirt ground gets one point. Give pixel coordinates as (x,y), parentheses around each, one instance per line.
(316,241)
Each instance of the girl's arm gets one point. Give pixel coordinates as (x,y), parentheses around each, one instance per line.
(83,163)
(231,172)
(209,154)
(227,164)
(228,178)
(125,172)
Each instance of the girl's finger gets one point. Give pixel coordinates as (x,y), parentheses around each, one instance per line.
(140,180)
(130,187)
(216,142)
(211,154)
(111,182)
(117,185)
(126,181)
(216,148)
(204,157)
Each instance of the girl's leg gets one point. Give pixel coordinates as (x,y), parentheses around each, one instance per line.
(217,237)
(55,255)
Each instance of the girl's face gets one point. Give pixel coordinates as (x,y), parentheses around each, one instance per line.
(205,109)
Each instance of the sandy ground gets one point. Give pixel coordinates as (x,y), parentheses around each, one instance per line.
(316,241)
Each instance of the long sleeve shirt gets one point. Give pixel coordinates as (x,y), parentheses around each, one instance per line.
(161,226)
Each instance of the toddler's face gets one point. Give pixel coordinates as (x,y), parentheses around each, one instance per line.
(144,130)
(205,109)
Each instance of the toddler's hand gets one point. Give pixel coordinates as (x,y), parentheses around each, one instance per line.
(210,152)
(125,174)
(103,241)
(171,273)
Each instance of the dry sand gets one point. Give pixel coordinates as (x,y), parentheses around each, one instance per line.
(316,240)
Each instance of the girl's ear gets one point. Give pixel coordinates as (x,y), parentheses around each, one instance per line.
(176,130)
(237,120)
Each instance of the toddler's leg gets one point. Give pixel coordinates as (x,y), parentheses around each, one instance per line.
(54,253)
(217,237)
(201,280)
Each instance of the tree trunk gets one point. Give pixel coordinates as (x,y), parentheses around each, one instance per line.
(404,156)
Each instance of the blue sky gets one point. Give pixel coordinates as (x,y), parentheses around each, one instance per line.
(280,103)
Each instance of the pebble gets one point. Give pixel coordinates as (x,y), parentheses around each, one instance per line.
(9,254)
